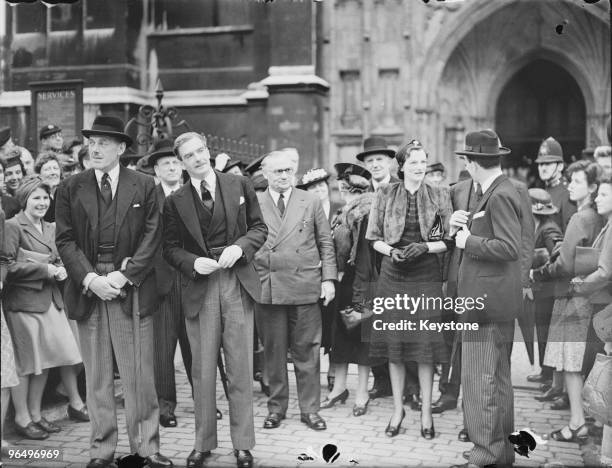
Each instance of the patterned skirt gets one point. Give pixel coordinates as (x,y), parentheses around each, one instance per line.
(9,372)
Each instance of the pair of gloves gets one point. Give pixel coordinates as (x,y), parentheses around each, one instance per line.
(409,253)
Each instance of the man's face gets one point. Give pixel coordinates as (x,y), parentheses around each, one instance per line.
(279,171)
(320,189)
(13,176)
(195,157)
(548,171)
(379,165)
(468,165)
(27,160)
(168,170)
(606,163)
(104,152)
(55,141)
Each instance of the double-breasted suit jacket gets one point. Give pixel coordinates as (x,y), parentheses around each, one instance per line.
(298,253)
(137,235)
(184,241)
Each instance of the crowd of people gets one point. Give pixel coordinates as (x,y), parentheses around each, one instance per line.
(110,259)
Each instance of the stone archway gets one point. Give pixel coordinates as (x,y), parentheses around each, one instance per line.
(463,90)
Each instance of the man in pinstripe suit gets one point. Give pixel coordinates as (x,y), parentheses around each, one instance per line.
(490,238)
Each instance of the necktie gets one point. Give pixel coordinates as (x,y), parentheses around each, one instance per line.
(478,192)
(106,190)
(206,196)
(281,204)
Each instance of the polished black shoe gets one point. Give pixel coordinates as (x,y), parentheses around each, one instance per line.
(219,414)
(463,435)
(392,431)
(550,395)
(428,433)
(313,421)
(158,461)
(360,410)
(100,463)
(81,415)
(414,401)
(327,403)
(561,403)
(167,420)
(31,431)
(538,378)
(47,426)
(273,420)
(196,459)
(244,459)
(380,391)
(443,405)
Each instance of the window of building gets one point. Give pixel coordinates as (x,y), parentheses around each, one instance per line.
(187,14)
(30,17)
(65,17)
(98,14)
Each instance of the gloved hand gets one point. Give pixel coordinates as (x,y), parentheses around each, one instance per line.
(415,250)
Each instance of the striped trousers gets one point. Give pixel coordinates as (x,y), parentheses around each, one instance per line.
(109,329)
(488,398)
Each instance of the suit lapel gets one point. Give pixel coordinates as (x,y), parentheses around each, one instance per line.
(486,196)
(183,199)
(230,192)
(88,195)
(161,197)
(463,196)
(28,227)
(126,189)
(293,213)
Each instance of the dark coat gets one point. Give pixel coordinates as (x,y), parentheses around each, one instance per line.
(165,275)
(527,231)
(491,262)
(184,241)
(137,235)
(29,288)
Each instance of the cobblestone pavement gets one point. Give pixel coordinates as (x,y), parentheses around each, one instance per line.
(361,439)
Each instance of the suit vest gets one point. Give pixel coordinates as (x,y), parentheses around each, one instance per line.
(212,224)
(106,220)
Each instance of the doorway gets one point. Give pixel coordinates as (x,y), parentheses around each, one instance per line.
(541,100)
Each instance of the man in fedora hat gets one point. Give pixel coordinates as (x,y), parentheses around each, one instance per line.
(377,158)
(169,321)
(550,169)
(489,237)
(108,233)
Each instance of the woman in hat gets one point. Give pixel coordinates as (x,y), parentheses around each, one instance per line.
(40,330)
(357,264)
(548,235)
(597,287)
(409,226)
(50,170)
(13,171)
(571,315)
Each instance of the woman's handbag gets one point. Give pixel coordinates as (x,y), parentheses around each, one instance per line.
(354,314)
(597,390)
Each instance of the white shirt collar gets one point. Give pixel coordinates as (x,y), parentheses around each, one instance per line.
(113,174)
(487,183)
(168,190)
(275,195)
(386,180)
(211,183)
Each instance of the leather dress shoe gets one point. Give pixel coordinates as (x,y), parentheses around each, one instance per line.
(244,459)
(196,459)
(313,421)
(561,403)
(550,395)
(273,420)
(158,461)
(31,431)
(100,463)
(380,391)
(442,405)
(463,435)
(47,426)
(167,420)
(538,378)
(81,415)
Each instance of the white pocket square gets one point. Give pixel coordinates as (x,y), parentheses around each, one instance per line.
(136,205)
(241,202)
(480,214)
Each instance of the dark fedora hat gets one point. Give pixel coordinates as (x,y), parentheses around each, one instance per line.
(550,151)
(541,202)
(346,169)
(235,163)
(313,176)
(375,145)
(254,165)
(435,167)
(160,149)
(109,126)
(483,143)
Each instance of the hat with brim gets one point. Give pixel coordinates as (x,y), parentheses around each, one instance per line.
(142,165)
(48,130)
(550,151)
(107,125)
(435,167)
(254,165)
(312,177)
(346,169)
(548,159)
(375,145)
(129,157)
(541,202)
(484,144)
(5,135)
(238,163)
(260,183)
(161,149)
